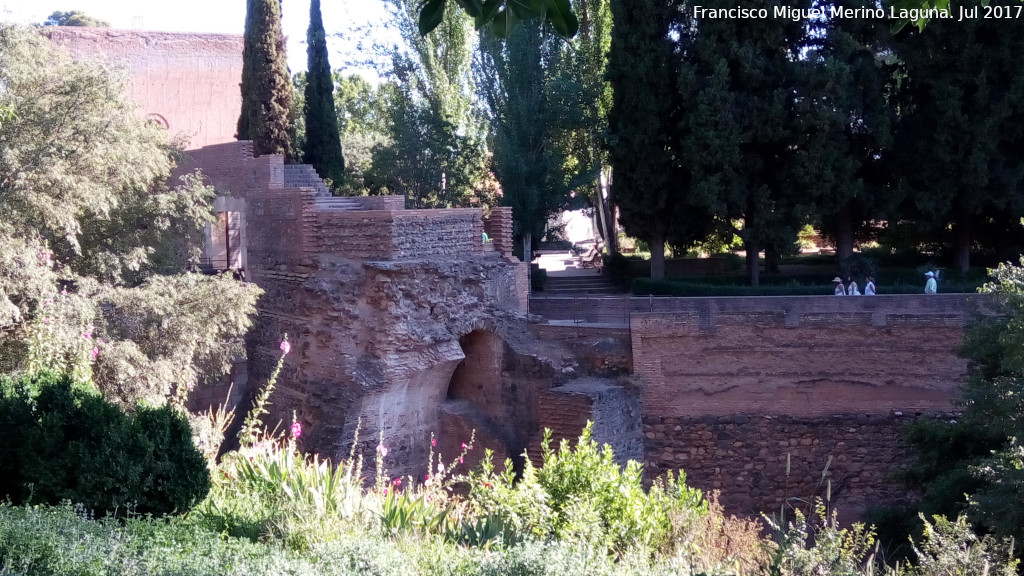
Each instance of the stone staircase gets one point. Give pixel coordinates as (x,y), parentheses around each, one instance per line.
(337,203)
(577,285)
(304,176)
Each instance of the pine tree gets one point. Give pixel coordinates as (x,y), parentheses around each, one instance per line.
(266,86)
(322,147)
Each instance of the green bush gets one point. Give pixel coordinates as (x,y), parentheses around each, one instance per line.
(616,268)
(582,495)
(65,442)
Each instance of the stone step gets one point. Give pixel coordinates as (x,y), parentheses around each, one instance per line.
(334,203)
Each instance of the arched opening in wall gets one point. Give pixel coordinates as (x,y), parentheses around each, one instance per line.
(483,397)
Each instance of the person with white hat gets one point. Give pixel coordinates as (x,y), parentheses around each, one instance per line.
(930,287)
(840,288)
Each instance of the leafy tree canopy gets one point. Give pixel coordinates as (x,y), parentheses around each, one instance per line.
(504,15)
(74,18)
(95,244)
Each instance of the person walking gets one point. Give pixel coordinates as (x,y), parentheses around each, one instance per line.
(930,287)
(853,289)
(840,289)
(869,286)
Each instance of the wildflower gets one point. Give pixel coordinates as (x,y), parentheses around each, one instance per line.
(487,484)
(63,291)
(433,442)
(397,482)
(296,430)
(190,386)
(49,302)
(86,335)
(460,460)
(382,450)
(464,447)
(95,352)
(286,346)
(426,477)
(46,320)
(440,467)
(100,340)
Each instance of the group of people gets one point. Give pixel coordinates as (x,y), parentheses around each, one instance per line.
(852,289)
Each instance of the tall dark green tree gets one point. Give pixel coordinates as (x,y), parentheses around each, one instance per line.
(846,123)
(643,67)
(266,85)
(740,128)
(322,147)
(960,140)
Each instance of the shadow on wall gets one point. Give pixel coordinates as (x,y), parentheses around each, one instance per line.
(488,394)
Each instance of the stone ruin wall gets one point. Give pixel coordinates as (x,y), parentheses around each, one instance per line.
(403,322)
(406,321)
(187,83)
(736,389)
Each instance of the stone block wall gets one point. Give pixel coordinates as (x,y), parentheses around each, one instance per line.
(613,408)
(745,458)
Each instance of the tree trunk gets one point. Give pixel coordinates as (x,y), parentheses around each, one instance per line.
(753,262)
(772,259)
(657,255)
(962,246)
(604,204)
(844,236)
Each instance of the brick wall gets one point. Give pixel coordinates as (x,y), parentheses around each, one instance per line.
(734,386)
(398,235)
(186,82)
(806,356)
(498,226)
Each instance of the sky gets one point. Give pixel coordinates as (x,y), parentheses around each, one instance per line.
(220,16)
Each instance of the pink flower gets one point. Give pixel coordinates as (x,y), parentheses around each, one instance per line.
(86,335)
(63,291)
(382,450)
(49,302)
(190,386)
(433,441)
(46,319)
(100,340)
(286,346)
(464,447)
(296,430)
(426,478)
(95,352)
(397,482)
(460,460)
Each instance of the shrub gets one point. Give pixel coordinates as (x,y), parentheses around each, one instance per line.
(65,442)
(581,494)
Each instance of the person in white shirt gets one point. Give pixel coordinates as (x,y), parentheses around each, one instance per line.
(869,286)
(930,287)
(853,290)
(840,289)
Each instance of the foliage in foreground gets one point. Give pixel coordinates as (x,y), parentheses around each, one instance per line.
(96,241)
(980,455)
(63,441)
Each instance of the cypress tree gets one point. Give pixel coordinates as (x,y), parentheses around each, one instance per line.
(322,147)
(266,86)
